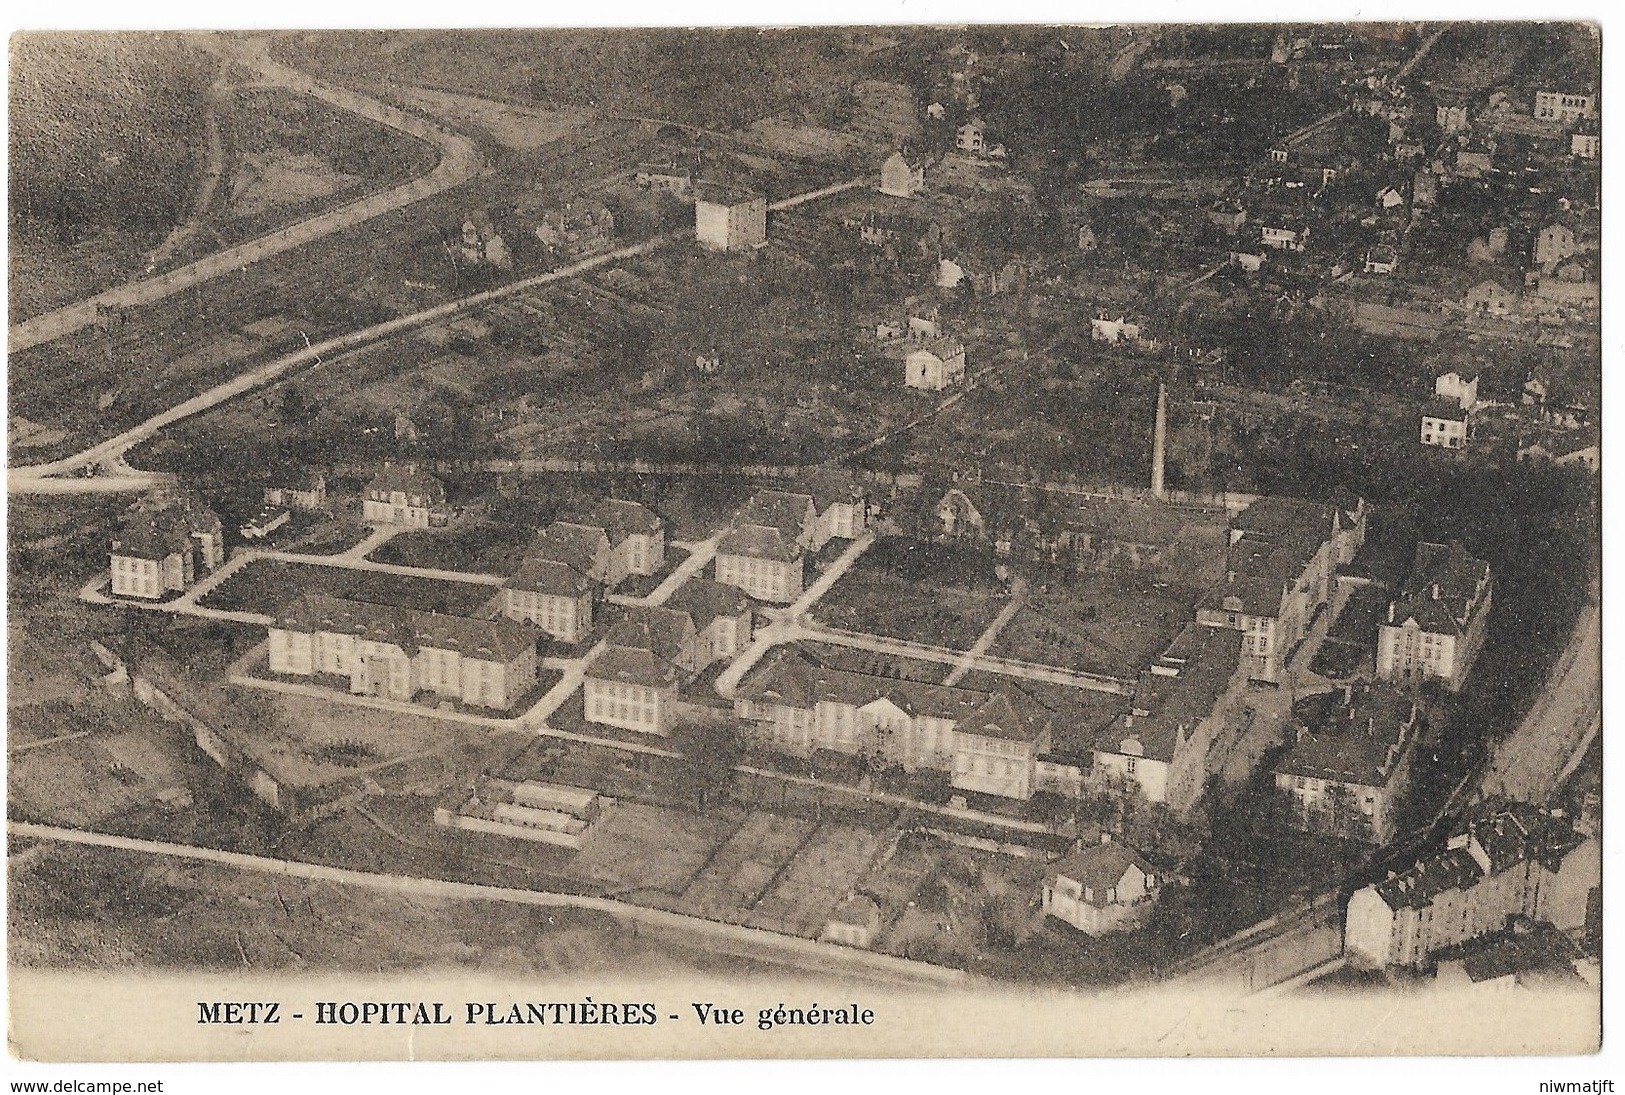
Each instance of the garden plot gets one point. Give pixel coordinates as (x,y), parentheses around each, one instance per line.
(1094,625)
(265,585)
(650,847)
(818,878)
(745,866)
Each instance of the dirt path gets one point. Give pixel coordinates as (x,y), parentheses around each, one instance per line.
(460,160)
(731,938)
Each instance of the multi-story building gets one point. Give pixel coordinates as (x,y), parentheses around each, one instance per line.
(840,502)
(635,535)
(399,653)
(1436,626)
(792,513)
(1102,888)
(987,742)
(1444,424)
(729,219)
(1278,576)
(1459,389)
(552,595)
(405,496)
(762,561)
(971,137)
(1348,769)
(584,548)
(1164,743)
(163,545)
(633,688)
(722,618)
(1564,107)
(1508,861)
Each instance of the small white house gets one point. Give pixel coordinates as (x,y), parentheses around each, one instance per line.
(935,364)
(1104,888)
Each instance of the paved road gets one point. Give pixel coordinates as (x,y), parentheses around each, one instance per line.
(786,627)
(38,478)
(823,958)
(1270,953)
(700,553)
(460,160)
(1018,594)
(1564,718)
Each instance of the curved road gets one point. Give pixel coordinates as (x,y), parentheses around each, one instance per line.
(460,160)
(41,478)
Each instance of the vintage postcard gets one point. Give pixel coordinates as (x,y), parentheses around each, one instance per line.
(898,541)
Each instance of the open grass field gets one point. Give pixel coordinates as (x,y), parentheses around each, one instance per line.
(93,908)
(925,593)
(650,848)
(1093,624)
(265,585)
(477,548)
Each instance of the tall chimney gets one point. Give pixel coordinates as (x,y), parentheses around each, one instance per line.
(1159,442)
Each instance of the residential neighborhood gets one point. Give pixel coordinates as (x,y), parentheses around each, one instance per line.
(852,508)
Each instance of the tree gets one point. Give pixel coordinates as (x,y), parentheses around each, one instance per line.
(710,752)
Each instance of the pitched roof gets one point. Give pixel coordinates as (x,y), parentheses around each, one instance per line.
(1443,591)
(629,665)
(759,542)
(158,527)
(1358,739)
(1507,833)
(1099,867)
(1170,701)
(620,518)
(1272,541)
(549,576)
(1006,718)
(828,485)
(789,679)
(499,639)
(572,544)
(644,627)
(706,600)
(780,509)
(397,477)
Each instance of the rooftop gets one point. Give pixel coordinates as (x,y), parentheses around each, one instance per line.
(1168,705)
(1357,739)
(1443,591)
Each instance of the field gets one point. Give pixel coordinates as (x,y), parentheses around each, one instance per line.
(94,908)
(475,548)
(716,78)
(85,210)
(1094,624)
(265,585)
(523,128)
(924,593)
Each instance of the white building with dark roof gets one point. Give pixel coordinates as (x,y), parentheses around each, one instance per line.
(1508,861)
(400,653)
(1348,768)
(1436,626)
(988,742)
(1162,746)
(405,496)
(552,595)
(1102,888)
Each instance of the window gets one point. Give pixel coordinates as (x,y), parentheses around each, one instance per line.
(1133,763)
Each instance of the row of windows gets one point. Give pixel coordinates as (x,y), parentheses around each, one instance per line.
(603,709)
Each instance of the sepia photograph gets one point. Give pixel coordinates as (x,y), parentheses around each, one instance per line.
(875,541)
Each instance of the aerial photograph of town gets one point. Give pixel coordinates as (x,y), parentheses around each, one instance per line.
(1067,510)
